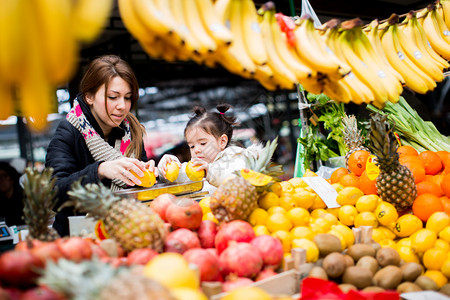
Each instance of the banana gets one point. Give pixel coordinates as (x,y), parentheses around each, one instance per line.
(252,32)
(399,61)
(89,17)
(153,18)
(264,75)
(59,44)
(443,28)
(281,71)
(418,57)
(431,29)
(12,48)
(8,105)
(195,25)
(446,11)
(337,90)
(134,24)
(219,32)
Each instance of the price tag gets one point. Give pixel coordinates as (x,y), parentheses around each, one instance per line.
(372,169)
(424,295)
(100,231)
(325,190)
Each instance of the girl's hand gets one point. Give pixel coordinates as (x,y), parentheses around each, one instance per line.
(167,158)
(200,164)
(121,169)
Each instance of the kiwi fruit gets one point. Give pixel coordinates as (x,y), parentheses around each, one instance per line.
(388,256)
(426,283)
(408,287)
(318,272)
(358,276)
(327,243)
(368,262)
(373,289)
(334,264)
(445,289)
(388,277)
(411,270)
(345,287)
(349,260)
(357,251)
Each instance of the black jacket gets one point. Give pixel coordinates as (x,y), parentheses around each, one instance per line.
(68,155)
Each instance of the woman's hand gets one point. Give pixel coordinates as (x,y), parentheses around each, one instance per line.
(121,169)
(167,158)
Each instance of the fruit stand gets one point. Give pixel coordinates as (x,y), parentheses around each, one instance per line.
(378,227)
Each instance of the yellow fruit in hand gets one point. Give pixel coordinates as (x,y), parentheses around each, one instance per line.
(312,252)
(147,180)
(349,195)
(386,213)
(434,258)
(366,218)
(192,173)
(367,203)
(347,214)
(258,217)
(278,221)
(422,240)
(171,270)
(268,200)
(406,225)
(438,221)
(298,216)
(172,171)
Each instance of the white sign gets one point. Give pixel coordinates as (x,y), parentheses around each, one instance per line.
(325,190)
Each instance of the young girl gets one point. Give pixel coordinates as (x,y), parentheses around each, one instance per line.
(208,135)
(100,139)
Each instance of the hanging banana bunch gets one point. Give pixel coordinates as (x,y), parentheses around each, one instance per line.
(39,42)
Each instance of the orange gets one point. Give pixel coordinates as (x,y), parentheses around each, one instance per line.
(445,158)
(337,174)
(417,169)
(432,162)
(425,205)
(406,150)
(445,185)
(349,180)
(446,204)
(411,158)
(366,185)
(357,161)
(428,187)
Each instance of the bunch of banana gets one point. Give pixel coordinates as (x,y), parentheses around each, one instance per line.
(39,42)
(400,53)
(445,7)
(436,29)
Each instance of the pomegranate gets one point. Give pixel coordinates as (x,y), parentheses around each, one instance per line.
(75,248)
(235,282)
(174,246)
(19,268)
(161,203)
(242,259)
(237,230)
(207,263)
(11,293)
(141,256)
(265,273)
(186,237)
(184,213)
(27,244)
(207,233)
(213,251)
(47,250)
(270,248)
(41,293)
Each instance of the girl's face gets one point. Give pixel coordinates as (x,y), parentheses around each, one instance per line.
(117,107)
(203,145)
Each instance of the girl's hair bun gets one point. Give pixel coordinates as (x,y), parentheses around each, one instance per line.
(223,107)
(199,110)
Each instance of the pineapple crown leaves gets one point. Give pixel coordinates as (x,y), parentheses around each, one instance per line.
(382,139)
(39,196)
(352,135)
(92,198)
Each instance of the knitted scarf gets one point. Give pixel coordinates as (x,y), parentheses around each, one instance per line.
(98,147)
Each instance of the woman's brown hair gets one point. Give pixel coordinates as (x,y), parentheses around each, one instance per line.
(100,72)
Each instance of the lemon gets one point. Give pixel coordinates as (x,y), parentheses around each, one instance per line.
(334,211)
(285,238)
(386,213)
(445,234)
(261,230)
(268,200)
(147,180)
(316,228)
(378,235)
(438,221)
(204,204)
(445,268)
(337,187)
(347,214)
(366,218)
(404,242)
(346,232)
(312,252)
(422,240)
(210,216)
(192,173)
(258,217)
(298,216)
(340,236)
(246,292)
(297,182)
(349,195)
(317,213)
(304,198)
(437,276)
(276,209)
(318,203)
(188,293)
(330,218)
(276,188)
(387,243)
(387,232)
(287,201)
(441,244)
(434,258)
(302,232)
(407,225)
(367,203)
(287,187)
(407,254)
(172,171)
(278,221)
(323,223)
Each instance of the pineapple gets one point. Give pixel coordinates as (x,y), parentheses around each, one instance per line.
(236,198)
(131,223)
(95,279)
(395,183)
(352,136)
(39,201)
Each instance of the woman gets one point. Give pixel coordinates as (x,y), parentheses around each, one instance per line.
(100,140)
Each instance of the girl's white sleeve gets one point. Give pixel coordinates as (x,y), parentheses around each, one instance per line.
(225,167)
